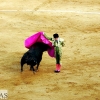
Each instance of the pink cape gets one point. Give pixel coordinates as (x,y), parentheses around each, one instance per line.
(39,37)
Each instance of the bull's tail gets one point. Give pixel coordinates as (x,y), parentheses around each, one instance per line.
(21,68)
(22,63)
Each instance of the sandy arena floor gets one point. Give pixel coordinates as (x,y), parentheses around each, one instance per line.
(78,22)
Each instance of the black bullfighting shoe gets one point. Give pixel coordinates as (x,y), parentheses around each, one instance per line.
(56,71)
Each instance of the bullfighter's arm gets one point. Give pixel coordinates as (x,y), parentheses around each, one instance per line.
(49,38)
(63,44)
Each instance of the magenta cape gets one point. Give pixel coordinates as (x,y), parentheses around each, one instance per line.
(39,37)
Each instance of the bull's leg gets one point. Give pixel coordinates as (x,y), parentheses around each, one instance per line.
(37,66)
(32,68)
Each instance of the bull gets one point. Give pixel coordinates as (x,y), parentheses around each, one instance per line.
(34,56)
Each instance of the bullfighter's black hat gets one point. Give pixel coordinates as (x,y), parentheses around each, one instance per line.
(55,35)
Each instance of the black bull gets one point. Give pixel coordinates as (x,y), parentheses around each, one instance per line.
(34,56)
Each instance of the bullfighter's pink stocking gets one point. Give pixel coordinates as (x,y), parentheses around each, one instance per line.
(59,67)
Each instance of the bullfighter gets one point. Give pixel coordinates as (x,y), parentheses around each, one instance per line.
(58,43)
